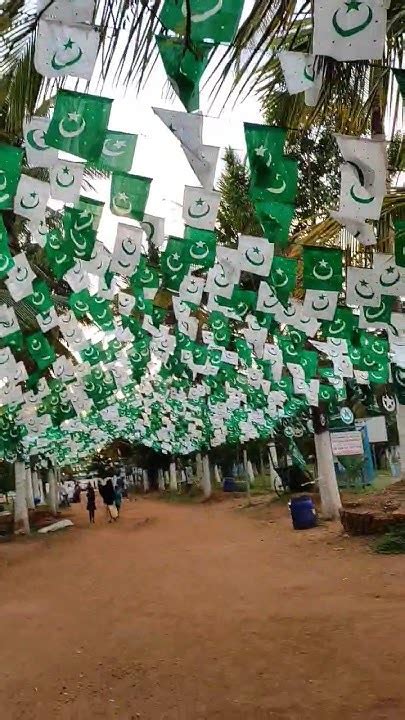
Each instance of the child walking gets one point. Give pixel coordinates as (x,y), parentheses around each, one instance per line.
(91,502)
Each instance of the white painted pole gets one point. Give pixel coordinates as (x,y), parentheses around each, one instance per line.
(21,519)
(245,465)
(28,489)
(206,477)
(167,478)
(35,485)
(173,477)
(401,433)
(328,487)
(53,494)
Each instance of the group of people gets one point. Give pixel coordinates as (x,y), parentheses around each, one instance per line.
(111,497)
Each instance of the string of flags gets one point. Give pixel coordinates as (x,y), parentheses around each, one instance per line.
(201,344)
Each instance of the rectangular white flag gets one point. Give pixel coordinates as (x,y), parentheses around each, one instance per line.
(67,11)
(300,76)
(31,198)
(352,30)
(65,179)
(200,207)
(362,287)
(38,153)
(62,50)
(320,304)
(358,201)
(127,250)
(255,255)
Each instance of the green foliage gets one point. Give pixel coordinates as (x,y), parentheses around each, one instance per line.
(392,543)
(236,212)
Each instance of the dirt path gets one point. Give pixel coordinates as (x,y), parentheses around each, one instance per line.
(199,612)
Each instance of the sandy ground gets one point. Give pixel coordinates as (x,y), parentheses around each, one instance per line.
(183,612)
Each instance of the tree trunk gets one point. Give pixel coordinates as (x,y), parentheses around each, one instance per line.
(36,486)
(161,480)
(206,477)
(273,463)
(217,475)
(245,465)
(401,432)
(29,492)
(199,467)
(250,472)
(173,477)
(53,493)
(21,519)
(328,487)
(261,462)
(145,481)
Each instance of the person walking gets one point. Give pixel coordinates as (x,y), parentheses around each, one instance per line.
(91,502)
(109,500)
(118,499)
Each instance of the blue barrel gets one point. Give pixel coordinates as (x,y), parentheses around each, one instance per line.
(303,513)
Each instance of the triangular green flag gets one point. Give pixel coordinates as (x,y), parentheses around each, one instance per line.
(216,20)
(174,267)
(200,247)
(40,350)
(185,67)
(6,260)
(129,194)
(275,219)
(322,268)
(118,151)
(10,170)
(283,276)
(79,124)
(399,226)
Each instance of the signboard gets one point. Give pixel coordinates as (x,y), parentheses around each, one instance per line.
(377,429)
(347,443)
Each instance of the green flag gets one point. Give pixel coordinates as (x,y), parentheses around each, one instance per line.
(283,276)
(58,252)
(275,219)
(342,326)
(265,147)
(174,267)
(118,151)
(40,300)
(219,325)
(241,302)
(145,277)
(6,260)
(79,124)
(40,350)
(200,247)
(79,302)
(322,268)
(185,67)
(129,194)
(101,312)
(79,233)
(217,20)
(400,76)
(282,182)
(381,314)
(399,226)
(89,206)
(10,170)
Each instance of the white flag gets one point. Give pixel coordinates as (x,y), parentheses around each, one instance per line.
(8,326)
(362,287)
(200,207)
(267,300)
(204,163)
(62,50)
(189,327)
(191,289)
(66,180)
(68,11)
(362,231)
(48,320)
(320,304)
(222,278)
(154,229)
(299,75)
(391,278)
(63,369)
(353,30)
(31,198)
(180,309)
(39,231)
(255,255)
(20,278)
(77,277)
(126,303)
(38,153)
(99,260)
(127,250)
(357,200)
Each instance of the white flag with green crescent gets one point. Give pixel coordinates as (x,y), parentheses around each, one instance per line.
(127,250)
(200,207)
(191,289)
(66,180)
(31,198)
(20,278)
(362,287)
(154,229)
(222,278)
(255,255)
(320,304)
(67,11)
(62,50)
(362,231)
(369,158)
(299,75)
(352,30)
(77,277)
(358,200)
(38,152)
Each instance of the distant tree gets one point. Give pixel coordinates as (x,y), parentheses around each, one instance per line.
(236,211)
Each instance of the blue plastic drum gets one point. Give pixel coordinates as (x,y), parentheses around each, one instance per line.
(303,513)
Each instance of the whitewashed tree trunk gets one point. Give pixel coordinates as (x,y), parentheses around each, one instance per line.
(29,492)
(35,485)
(217,475)
(328,487)
(250,472)
(53,491)
(245,466)
(161,481)
(173,477)
(21,519)
(274,476)
(206,477)
(401,432)
(145,481)
(199,468)
(167,478)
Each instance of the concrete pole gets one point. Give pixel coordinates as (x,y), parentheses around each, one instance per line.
(173,477)
(328,487)
(21,519)
(53,492)
(401,433)
(29,493)
(206,477)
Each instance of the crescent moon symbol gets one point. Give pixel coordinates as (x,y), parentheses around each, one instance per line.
(400,377)
(65,185)
(322,308)
(354,30)
(197,215)
(111,153)
(374,313)
(57,65)
(390,284)
(362,295)
(4,263)
(253,262)
(121,210)
(23,204)
(278,190)
(40,146)
(197,255)
(131,243)
(319,276)
(356,198)
(150,231)
(174,269)
(71,133)
(340,326)
(202,17)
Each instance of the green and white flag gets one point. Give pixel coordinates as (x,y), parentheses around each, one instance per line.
(216,20)
(368,157)
(300,75)
(79,124)
(66,180)
(129,195)
(37,151)
(79,233)
(200,207)
(8,326)
(40,300)
(90,209)
(267,300)
(320,304)
(48,320)
(127,250)
(191,289)
(67,11)
(126,303)
(6,260)
(283,276)
(255,255)
(377,317)
(99,260)
(40,350)
(358,200)
(391,278)
(185,67)
(31,198)
(199,247)
(10,170)
(362,287)
(275,219)
(154,229)
(62,50)
(174,268)
(343,325)
(222,278)
(322,268)
(353,30)
(399,226)
(118,151)
(362,231)
(265,148)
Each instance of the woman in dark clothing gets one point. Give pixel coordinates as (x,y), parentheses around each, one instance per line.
(107,492)
(91,502)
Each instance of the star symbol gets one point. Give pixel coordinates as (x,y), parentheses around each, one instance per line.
(122,196)
(176,256)
(261,151)
(280,271)
(69,44)
(390,270)
(200,202)
(353,5)
(74,116)
(34,195)
(200,244)
(66,171)
(322,297)
(256,250)
(119,144)
(364,283)
(323,263)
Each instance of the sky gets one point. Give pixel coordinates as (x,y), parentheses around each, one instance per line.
(158,154)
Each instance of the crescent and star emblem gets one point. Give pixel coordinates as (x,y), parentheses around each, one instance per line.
(389,282)
(37,144)
(114,149)
(349,31)
(364,293)
(58,64)
(322,270)
(68,178)
(260,257)
(77,120)
(30,204)
(121,204)
(196,214)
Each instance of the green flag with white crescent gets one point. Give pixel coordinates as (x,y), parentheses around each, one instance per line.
(281,184)
(89,206)
(216,20)
(59,253)
(79,233)
(322,268)
(174,266)
(199,247)
(265,147)
(40,300)
(129,195)
(40,350)
(118,151)
(275,219)
(79,124)
(342,326)
(6,260)
(185,67)
(10,170)
(241,302)
(283,276)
